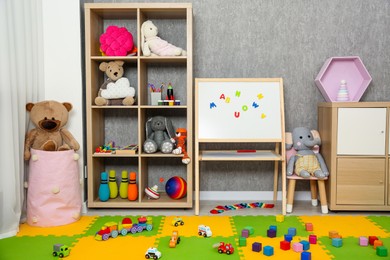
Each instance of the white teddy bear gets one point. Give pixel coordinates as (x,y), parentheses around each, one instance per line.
(152,44)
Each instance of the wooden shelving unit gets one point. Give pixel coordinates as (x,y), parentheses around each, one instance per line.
(126,124)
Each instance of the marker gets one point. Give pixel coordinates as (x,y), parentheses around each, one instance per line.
(246,151)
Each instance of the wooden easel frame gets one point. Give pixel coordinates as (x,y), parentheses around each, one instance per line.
(277,155)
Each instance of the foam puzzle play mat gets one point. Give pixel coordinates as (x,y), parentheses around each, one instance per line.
(205,237)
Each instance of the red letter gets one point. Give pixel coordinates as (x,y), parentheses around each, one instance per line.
(222,96)
(237,114)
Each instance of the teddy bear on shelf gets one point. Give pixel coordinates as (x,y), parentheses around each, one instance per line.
(116,90)
(307,161)
(159,135)
(49,118)
(151,44)
(181,139)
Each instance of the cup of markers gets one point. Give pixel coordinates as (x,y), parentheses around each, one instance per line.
(156,96)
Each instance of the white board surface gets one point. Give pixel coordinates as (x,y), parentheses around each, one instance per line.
(239,109)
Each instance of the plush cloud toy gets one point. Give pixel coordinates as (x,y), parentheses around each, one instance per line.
(116,90)
(49,118)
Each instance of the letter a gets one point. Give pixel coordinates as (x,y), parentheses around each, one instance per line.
(222,96)
(237,114)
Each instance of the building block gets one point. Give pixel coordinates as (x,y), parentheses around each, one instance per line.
(256,247)
(292,231)
(271,233)
(297,247)
(381,251)
(334,234)
(242,241)
(371,239)
(288,237)
(309,226)
(351,70)
(273,227)
(305,256)
(268,250)
(251,230)
(337,242)
(279,218)
(285,245)
(363,241)
(245,233)
(378,243)
(305,244)
(313,239)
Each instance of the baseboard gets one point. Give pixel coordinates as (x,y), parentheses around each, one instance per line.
(249,195)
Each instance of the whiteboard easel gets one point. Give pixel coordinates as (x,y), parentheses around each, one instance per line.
(240,111)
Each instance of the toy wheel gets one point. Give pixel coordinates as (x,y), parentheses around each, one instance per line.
(178,240)
(199,233)
(149,227)
(228,252)
(54,253)
(220,251)
(133,230)
(205,235)
(139,229)
(114,233)
(105,236)
(61,255)
(176,224)
(182,223)
(147,256)
(155,257)
(124,232)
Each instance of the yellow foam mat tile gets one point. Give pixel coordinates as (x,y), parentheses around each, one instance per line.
(75,228)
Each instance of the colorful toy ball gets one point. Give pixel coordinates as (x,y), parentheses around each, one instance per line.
(176,187)
(116,41)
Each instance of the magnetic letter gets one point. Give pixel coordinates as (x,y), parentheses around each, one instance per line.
(227,100)
(238,93)
(244,107)
(255,105)
(212,105)
(237,114)
(260,96)
(222,96)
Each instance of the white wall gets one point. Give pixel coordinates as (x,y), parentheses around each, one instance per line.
(62,61)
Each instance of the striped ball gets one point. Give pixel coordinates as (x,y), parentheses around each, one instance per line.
(176,187)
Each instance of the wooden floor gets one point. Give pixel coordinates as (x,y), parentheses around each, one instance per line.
(301,208)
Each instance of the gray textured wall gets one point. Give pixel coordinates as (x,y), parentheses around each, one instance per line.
(292,40)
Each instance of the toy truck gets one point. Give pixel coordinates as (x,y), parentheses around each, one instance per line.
(226,248)
(177,221)
(204,231)
(61,250)
(153,253)
(175,239)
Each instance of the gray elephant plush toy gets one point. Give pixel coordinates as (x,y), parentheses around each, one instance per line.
(159,135)
(306,162)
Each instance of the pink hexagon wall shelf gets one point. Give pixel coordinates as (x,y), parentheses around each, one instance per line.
(351,69)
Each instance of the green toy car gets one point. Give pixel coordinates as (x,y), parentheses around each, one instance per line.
(61,250)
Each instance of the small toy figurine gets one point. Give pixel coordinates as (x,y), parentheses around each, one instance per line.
(60,250)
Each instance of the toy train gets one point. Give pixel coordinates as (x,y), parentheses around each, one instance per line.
(113,229)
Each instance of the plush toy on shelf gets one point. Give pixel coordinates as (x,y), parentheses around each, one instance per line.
(117,41)
(181,139)
(49,134)
(151,44)
(159,135)
(307,160)
(116,90)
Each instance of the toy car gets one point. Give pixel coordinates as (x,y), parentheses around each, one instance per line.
(175,239)
(61,250)
(204,231)
(225,248)
(153,253)
(177,221)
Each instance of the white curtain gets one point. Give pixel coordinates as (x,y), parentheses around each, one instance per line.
(21,81)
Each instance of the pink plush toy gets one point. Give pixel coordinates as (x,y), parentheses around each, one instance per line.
(116,41)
